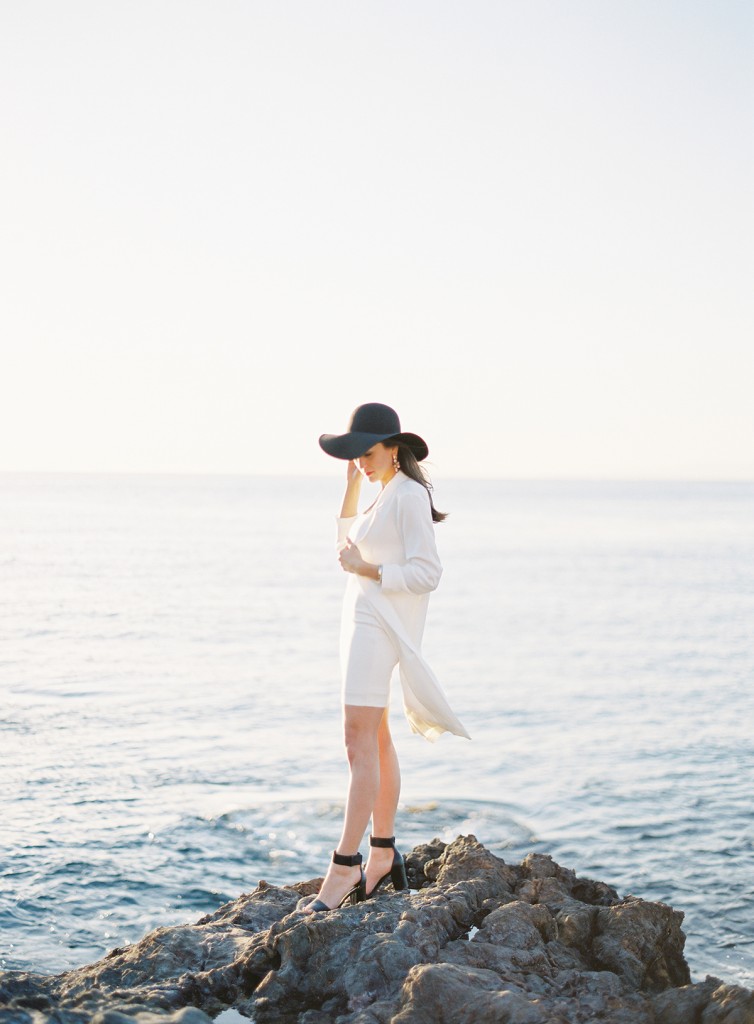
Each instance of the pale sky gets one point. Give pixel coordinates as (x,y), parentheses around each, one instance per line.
(526,224)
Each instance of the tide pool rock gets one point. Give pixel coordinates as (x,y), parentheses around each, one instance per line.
(478,941)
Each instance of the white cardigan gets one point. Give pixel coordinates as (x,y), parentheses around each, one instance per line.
(397,533)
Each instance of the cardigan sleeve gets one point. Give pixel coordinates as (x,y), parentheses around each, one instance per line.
(344,526)
(421,571)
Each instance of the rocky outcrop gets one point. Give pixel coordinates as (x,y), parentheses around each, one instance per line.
(479,941)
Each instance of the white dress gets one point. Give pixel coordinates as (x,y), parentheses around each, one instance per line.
(383,624)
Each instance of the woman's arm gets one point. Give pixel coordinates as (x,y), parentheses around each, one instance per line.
(350,504)
(351,560)
(421,571)
(353,489)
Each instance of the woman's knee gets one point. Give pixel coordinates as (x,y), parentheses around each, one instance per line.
(360,747)
(360,732)
(384,736)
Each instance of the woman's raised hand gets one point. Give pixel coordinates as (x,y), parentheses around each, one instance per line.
(353,473)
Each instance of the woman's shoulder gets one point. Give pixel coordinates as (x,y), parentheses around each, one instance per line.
(409,489)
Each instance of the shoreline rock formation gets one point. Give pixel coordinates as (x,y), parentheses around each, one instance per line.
(476,941)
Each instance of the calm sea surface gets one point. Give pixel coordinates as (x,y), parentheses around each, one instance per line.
(169,697)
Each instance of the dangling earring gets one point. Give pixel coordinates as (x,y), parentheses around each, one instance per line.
(396,464)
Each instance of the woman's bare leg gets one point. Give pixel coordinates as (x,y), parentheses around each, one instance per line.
(361,725)
(386,804)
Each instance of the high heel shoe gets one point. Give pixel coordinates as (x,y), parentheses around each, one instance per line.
(357,894)
(397,872)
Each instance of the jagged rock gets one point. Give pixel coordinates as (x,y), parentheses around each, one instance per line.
(481,941)
(187,1015)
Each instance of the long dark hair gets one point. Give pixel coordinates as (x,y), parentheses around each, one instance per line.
(411,467)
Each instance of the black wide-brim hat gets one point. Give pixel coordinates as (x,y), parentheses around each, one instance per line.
(370,424)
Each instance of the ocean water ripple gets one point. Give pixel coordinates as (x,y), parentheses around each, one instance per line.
(170,733)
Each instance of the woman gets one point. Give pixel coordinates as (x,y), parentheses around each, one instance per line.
(389,551)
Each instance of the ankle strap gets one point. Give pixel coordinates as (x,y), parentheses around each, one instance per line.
(384,843)
(346,862)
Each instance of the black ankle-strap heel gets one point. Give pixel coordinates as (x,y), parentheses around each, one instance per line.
(359,892)
(397,872)
(355,895)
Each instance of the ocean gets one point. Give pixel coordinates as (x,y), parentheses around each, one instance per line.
(169,697)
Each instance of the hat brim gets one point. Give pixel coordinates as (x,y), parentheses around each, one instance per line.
(355,443)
